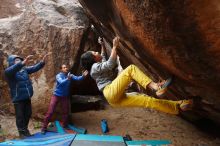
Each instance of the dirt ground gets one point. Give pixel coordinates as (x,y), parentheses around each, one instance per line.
(139,123)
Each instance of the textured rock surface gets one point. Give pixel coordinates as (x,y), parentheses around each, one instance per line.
(39,27)
(11,8)
(168,37)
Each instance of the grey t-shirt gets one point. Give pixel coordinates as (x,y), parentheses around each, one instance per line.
(104,72)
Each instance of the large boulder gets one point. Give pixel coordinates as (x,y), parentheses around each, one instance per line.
(165,38)
(37,27)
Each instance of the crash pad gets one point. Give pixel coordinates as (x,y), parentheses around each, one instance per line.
(98,140)
(49,139)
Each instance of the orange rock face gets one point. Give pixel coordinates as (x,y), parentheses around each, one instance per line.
(164,38)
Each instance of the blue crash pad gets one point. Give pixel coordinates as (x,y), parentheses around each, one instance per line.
(58,139)
(148,142)
(61,130)
(98,140)
(49,139)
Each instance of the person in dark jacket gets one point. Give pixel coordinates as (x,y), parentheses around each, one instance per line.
(21,89)
(61,94)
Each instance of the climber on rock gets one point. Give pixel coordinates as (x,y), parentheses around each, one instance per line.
(113,86)
(21,89)
(61,94)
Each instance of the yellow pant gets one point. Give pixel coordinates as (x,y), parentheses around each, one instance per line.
(115,95)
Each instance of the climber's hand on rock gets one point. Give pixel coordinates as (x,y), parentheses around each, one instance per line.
(100,41)
(116,42)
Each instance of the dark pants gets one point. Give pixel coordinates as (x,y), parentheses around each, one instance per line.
(53,103)
(23,113)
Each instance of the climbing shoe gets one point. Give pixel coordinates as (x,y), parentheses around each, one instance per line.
(163,87)
(186,105)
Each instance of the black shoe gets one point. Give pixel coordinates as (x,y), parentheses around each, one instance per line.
(127,137)
(21,134)
(43,131)
(27,133)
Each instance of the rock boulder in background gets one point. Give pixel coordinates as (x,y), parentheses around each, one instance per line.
(37,27)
